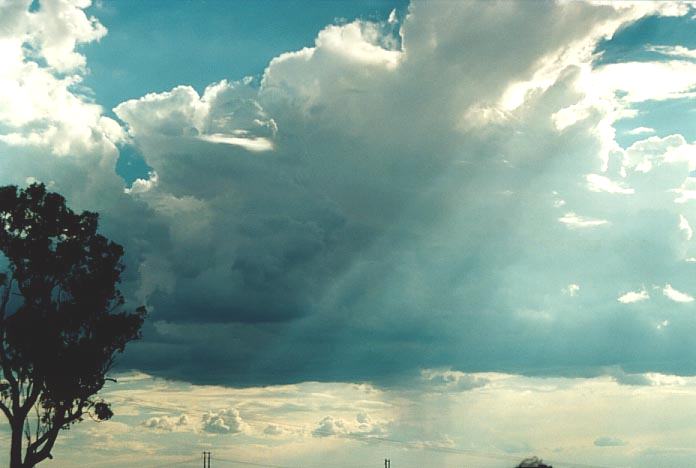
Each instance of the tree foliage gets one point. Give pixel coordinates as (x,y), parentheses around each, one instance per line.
(61,318)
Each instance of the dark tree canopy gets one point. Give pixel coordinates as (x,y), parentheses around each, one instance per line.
(61,322)
(532,462)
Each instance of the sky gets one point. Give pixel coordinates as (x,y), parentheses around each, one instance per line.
(441,232)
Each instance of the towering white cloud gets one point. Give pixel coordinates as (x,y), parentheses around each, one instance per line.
(40,70)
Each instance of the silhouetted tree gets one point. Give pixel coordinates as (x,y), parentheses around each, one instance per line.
(532,462)
(60,318)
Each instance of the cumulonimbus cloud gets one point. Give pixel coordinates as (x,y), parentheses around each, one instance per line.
(390,199)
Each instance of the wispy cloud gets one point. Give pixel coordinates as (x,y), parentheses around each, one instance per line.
(634,296)
(676,296)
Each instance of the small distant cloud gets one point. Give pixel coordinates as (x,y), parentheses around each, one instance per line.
(609,442)
(647,379)
(621,377)
(451,381)
(368,427)
(634,296)
(166,423)
(249,143)
(226,421)
(133,376)
(330,426)
(599,183)
(363,417)
(571,290)
(362,426)
(143,185)
(273,430)
(685,227)
(573,221)
(640,131)
(672,51)
(676,296)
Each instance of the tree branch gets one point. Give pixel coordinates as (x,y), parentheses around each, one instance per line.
(49,437)
(27,431)
(7,372)
(38,422)
(62,417)
(6,296)
(32,457)
(7,412)
(31,399)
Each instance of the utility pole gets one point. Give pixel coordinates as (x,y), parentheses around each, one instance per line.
(206,459)
(387,463)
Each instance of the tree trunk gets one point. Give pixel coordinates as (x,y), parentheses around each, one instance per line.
(16,445)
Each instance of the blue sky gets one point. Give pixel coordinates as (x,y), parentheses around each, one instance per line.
(629,44)
(356,221)
(198,42)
